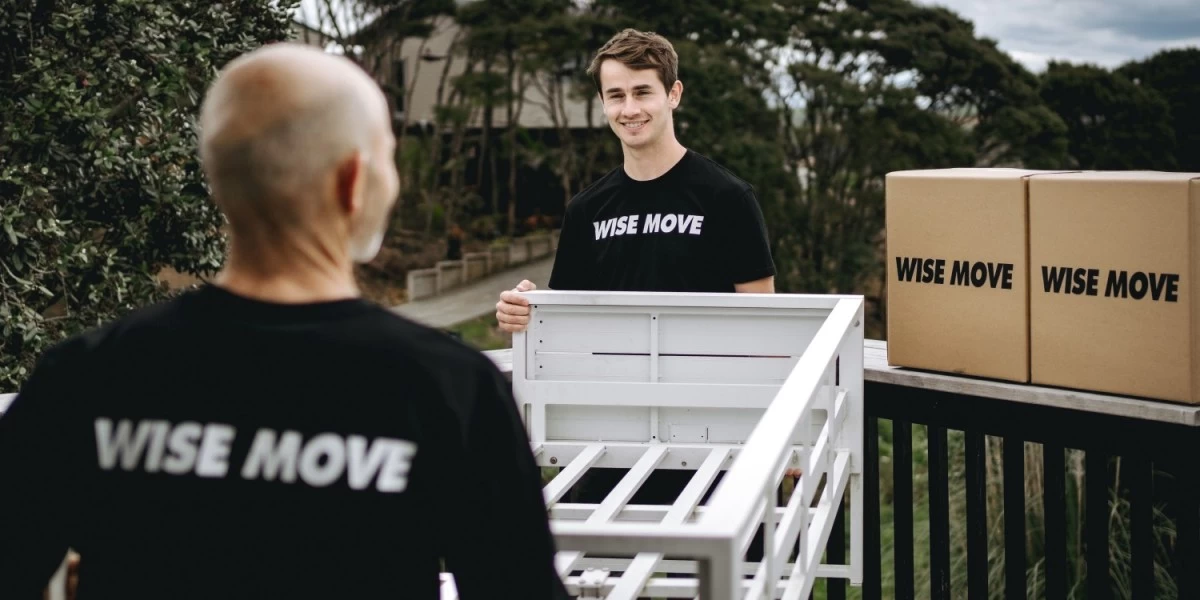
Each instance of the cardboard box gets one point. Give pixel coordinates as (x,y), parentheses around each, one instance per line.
(957,267)
(1115,298)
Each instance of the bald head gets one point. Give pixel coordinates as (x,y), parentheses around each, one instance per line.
(282,129)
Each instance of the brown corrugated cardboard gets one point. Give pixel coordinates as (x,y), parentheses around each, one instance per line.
(957,257)
(1115,283)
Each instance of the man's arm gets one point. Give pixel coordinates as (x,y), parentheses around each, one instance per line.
(512,311)
(35,476)
(766,285)
(500,542)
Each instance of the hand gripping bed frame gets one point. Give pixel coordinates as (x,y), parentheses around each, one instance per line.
(748,384)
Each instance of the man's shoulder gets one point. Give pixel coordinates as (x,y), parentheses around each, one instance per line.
(429,345)
(706,171)
(596,189)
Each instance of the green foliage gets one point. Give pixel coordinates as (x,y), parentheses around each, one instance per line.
(100,186)
(1112,123)
(1175,76)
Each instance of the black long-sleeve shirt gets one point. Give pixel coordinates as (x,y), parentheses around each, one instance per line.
(216,446)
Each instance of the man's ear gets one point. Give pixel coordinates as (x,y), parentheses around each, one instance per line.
(676,93)
(349,178)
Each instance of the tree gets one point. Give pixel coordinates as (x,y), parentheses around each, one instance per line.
(100,185)
(1175,76)
(1112,123)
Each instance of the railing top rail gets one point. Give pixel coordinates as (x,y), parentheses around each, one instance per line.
(877,369)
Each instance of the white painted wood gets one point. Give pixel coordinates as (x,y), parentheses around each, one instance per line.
(598,423)
(723,334)
(576,366)
(579,332)
(570,475)
(5,400)
(625,454)
(617,499)
(689,567)
(619,393)
(676,299)
(876,368)
(660,381)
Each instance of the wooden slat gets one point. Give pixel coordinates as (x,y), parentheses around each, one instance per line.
(872,584)
(694,395)
(634,578)
(1141,485)
(758,335)
(616,499)
(558,486)
(939,515)
(902,509)
(1014,518)
(977,538)
(1055,509)
(1186,563)
(575,366)
(1099,585)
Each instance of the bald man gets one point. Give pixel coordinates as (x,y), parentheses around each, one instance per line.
(272,434)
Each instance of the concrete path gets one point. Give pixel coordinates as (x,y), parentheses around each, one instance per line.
(474,299)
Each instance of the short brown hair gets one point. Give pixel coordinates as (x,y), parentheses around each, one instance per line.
(638,50)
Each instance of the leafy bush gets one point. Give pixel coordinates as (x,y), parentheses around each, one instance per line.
(100,182)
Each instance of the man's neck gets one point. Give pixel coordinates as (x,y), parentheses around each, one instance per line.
(644,164)
(287,277)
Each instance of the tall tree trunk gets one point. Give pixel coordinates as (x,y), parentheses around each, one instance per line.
(515,94)
(435,145)
(489,103)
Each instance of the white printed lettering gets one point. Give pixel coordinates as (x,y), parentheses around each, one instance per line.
(317,472)
(394,477)
(112,445)
(274,461)
(633,223)
(158,445)
(205,450)
(182,445)
(697,221)
(668,223)
(214,451)
(652,223)
(622,223)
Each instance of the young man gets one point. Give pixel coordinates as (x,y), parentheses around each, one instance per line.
(669,219)
(274,434)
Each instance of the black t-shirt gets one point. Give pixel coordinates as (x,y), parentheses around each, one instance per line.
(216,446)
(696,228)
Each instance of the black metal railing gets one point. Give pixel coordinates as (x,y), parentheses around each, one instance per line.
(1138,535)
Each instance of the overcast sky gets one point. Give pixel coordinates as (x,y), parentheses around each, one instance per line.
(1104,32)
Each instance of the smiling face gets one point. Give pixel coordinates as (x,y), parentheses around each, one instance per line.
(637,104)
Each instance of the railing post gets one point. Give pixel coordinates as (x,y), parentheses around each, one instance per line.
(1014,517)
(868,554)
(1096,474)
(1055,509)
(939,515)
(850,361)
(902,508)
